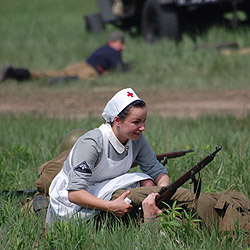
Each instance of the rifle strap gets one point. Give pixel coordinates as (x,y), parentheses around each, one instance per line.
(197,187)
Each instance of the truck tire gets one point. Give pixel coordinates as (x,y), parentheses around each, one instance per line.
(94,23)
(159,21)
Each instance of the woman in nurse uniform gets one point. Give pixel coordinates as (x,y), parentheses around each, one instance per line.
(100,160)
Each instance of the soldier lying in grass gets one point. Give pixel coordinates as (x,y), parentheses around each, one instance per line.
(102,61)
(108,152)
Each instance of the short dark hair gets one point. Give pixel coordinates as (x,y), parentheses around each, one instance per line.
(125,112)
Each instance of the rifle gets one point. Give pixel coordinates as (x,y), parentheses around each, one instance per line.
(163,158)
(167,192)
(18,192)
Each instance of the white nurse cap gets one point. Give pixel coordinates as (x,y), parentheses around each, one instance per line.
(119,102)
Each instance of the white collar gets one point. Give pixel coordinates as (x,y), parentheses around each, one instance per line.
(118,146)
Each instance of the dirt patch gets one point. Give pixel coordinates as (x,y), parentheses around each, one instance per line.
(178,103)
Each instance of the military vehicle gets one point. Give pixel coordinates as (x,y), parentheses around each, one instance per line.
(155,19)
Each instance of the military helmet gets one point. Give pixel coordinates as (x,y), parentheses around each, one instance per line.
(70,138)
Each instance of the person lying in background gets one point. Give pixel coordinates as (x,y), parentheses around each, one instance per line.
(103,60)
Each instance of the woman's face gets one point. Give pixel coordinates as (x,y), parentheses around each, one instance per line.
(132,126)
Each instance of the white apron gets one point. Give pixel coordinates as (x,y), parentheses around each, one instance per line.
(107,177)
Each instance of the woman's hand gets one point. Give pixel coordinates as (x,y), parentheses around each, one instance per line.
(84,199)
(118,206)
(150,210)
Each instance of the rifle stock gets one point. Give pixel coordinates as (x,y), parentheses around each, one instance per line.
(167,192)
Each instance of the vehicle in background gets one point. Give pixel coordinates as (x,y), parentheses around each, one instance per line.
(155,19)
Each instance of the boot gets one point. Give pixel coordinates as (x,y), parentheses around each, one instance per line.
(9,72)
(4,74)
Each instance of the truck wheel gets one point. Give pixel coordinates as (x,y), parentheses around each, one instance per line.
(94,23)
(158,21)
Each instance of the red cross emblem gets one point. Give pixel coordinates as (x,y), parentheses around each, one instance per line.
(130,94)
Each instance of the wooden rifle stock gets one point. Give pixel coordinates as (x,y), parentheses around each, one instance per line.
(167,192)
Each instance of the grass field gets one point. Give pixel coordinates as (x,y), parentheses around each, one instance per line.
(29,141)
(46,34)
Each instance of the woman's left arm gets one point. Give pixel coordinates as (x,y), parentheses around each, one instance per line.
(162,180)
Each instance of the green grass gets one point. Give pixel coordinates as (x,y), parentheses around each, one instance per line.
(51,34)
(30,140)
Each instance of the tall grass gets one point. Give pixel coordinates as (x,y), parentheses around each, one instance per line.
(28,141)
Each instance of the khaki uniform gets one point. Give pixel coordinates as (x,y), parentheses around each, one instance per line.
(224,209)
(82,70)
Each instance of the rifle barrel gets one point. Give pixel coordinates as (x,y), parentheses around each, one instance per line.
(173,154)
(168,156)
